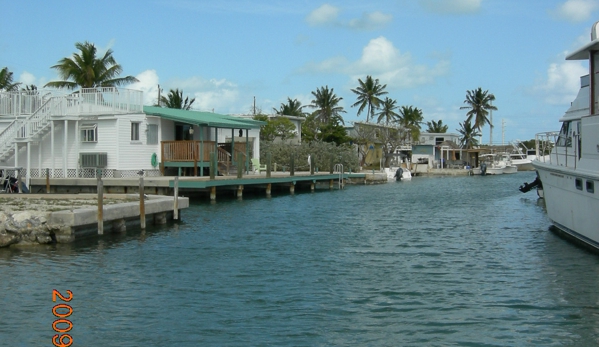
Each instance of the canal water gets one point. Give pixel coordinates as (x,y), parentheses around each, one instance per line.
(452,261)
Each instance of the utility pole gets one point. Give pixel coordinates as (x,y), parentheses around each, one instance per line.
(491,126)
(254,106)
(502,131)
(158,103)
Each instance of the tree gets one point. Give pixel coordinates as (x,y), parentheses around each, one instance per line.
(292,108)
(369,93)
(333,131)
(469,134)
(479,104)
(174,99)
(283,128)
(6,83)
(326,104)
(410,119)
(86,70)
(388,112)
(436,127)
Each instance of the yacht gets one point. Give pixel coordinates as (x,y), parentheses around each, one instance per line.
(567,161)
(522,159)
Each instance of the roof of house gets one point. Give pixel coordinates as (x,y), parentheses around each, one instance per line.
(203,118)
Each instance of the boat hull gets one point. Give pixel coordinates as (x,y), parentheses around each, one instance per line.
(510,169)
(575,211)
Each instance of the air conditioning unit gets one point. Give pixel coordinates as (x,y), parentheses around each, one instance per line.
(93,159)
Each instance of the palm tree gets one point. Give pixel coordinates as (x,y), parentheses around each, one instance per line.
(327,106)
(369,93)
(292,108)
(6,83)
(410,119)
(388,111)
(436,127)
(469,134)
(479,103)
(86,70)
(174,99)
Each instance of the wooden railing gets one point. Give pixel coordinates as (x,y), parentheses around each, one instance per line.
(173,151)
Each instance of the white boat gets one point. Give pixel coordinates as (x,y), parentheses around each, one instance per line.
(393,173)
(569,172)
(497,164)
(522,159)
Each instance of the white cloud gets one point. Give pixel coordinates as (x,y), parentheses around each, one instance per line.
(370,21)
(325,14)
(329,15)
(27,78)
(562,82)
(576,10)
(148,84)
(451,6)
(381,59)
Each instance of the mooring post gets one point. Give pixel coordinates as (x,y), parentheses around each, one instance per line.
(292,188)
(331,184)
(311,159)
(212,193)
(312,186)
(142,204)
(239,165)
(268,164)
(47,180)
(292,165)
(176,199)
(268,188)
(100,189)
(240,191)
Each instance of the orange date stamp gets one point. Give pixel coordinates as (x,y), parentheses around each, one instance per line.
(62,325)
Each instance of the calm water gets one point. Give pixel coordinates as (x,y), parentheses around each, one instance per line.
(466,261)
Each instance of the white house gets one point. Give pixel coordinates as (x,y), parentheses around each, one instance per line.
(74,135)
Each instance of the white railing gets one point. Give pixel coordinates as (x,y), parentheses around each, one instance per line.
(548,150)
(87,101)
(8,135)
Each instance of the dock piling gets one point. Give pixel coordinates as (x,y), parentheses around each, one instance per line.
(100,189)
(176,199)
(142,206)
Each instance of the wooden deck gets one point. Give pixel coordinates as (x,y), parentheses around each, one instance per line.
(197,154)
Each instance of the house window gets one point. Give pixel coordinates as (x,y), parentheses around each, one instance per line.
(590,186)
(152,134)
(134,131)
(578,183)
(89,133)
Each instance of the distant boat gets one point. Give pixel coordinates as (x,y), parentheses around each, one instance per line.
(522,159)
(398,174)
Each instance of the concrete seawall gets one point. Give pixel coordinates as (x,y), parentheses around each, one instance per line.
(28,219)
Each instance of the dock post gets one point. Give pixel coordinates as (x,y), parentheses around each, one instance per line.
(331,184)
(100,203)
(47,180)
(240,191)
(268,164)
(142,204)
(311,157)
(176,199)
(212,193)
(292,188)
(312,186)
(292,165)
(268,188)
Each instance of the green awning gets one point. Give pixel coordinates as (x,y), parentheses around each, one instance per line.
(203,118)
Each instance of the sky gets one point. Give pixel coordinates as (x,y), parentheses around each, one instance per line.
(228,53)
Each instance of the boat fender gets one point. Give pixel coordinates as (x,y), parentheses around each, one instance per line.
(154,160)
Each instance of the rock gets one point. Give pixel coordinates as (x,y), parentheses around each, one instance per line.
(8,239)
